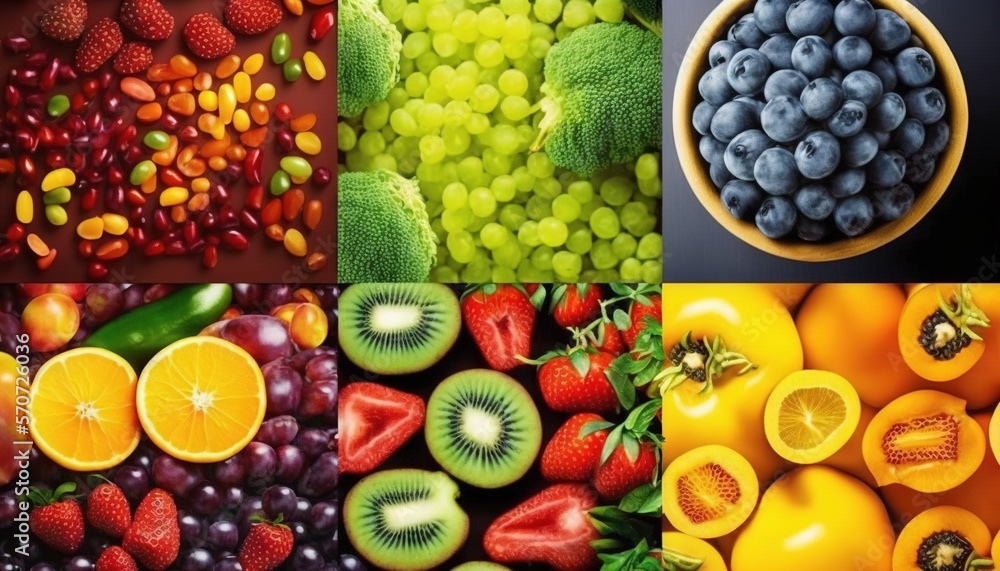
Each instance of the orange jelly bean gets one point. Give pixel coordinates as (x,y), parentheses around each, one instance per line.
(164,89)
(137,89)
(37,245)
(291,203)
(149,113)
(167,156)
(313,214)
(304,123)
(162,72)
(228,66)
(259,113)
(182,104)
(178,214)
(218,164)
(113,249)
(189,165)
(203,81)
(183,66)
(236,153)
(183,85)
(215,148)
(199,202)
(254,137)
(271,213)
(148,186)
(275,232)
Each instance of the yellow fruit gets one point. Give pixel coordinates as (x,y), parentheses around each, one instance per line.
(810,415)
(682,551)
(709,491)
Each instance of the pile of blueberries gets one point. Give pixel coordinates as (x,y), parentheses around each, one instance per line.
(819,119)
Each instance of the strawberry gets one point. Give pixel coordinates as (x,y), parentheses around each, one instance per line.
(501,319)
(108,510)
(65,21)
(252,17)
(115,558)
(576,382)
(576,305)
(608,339)
(550,527)
(154,538)
(374,422)
(147,19)
(570,456)
(99,43)
(637,313)
(57,519)
(207,38)
(621,474)
(266,546)
(134,57)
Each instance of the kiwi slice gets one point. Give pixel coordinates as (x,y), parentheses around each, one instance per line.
(395,329)
(481,566)
(405,520)
(483,428)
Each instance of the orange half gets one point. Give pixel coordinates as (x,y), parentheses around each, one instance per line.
(201,399)
(83,409)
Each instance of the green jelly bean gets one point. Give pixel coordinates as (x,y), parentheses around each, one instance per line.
(59,195)
(293,69)
(157,140)
(142,172)
(281,48)
(297,167)
(280,183)
(58,105)
(56,214)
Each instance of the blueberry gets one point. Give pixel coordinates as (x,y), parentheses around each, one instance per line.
(742,198)
(702,118)
(920,167)
(883,68)
(936,137)
(812,56)
(909,137)
(847,182)
(854,17)
(915,67)
(720,175)
(818,155)
(863,86)
(743,151)
(811,230)
(722,52)
(783,119)
(712,150)
(778,50)
(883,138)
(776,217)
(835,75)
(714,87)
(891,32)
(893,203)
(854,215)
(849,120)
(925,104)
(859,150)
(815,201)
(785,82)
(852,53)
(821,98)
(776,172)
(748,71)
(753,101)
(809,17)
(770,15)
(732,119)
(746,32)
(886,169)
(888,113)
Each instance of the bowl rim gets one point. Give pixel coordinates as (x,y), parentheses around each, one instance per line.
(686,97)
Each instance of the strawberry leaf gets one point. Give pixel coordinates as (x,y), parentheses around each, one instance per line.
(614,439)
(621,319)
(653,503)
(621,289)
(557,296)
(537,299)
(606,544)
(631,446)
(622,386)
(594,426)
(637,499)
(639,419)
(580,361)
(643,300)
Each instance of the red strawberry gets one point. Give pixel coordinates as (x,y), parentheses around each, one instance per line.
(567,456)
(147,19)
(266,546)
(609,339)
(99,43)
(108,510)
(620,474)
(577,382)
(154,538)
(501,319)
(205,35)
(576,305)
(374,422)
(115,558)
(134,57)
(252,17)
(55,520)
(550,527)
(638,312)
(65,21)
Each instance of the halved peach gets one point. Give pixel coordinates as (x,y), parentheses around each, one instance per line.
(709,491)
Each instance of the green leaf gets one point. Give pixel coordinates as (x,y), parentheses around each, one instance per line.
(538,298)
(614,439)
(631,445)
(557,296)
(621,319)
(621,289)
(594,426)
(606,544)
(635,499)
(654,503)
(643,300)
(580,361)
(623,388)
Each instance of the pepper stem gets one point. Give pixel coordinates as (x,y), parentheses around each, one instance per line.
(715,364)
(674,561)
(979,563)
(964,313)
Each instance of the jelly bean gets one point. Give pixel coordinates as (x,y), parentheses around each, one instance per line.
(56,214)
(200,185)
(199,202)
(235,239)
(217,164)
(112,250)
(294,6)
(91,228)
(227,103)
(203,81)
(45,262)
(275,232)
(173,196)
(182,104)
(149,185)
(57,178)
(228,66)
(285,140)
(241,121)
(292,69)
(252,166)
(115,224)
(157,140)
(253,64)
(208,101)
(254,137)
(314,66)
(167,156)
(137,89)
(149,113)
(309,143)
(58,105)
(243,86)
(283,111)
(280,183)
(292,203)
(295,243)
(260,113)
(296,166)
(59,195)
(265,92)
(142,172)
(212,125)
(313,214)
(215,148)
(281,48)
(321,23)
(303,123)
(25,207)
(159,72)
(37,245)
(183,66)
(316,261)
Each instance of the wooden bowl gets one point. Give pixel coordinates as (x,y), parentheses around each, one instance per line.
(686,97)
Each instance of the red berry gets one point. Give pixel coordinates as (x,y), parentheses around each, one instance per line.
(570,457)
(267,545)
(57,522)
(134,57)
(65,21)
(375,421)
(154,538)
(99,43)
(108,510)
(252,17)
(207,38)
(115,558)
(147,19)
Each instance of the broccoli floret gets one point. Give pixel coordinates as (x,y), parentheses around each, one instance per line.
(648,12)
(368,50)
(383,228)
(603,97)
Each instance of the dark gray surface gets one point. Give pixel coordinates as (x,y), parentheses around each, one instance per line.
(959,240)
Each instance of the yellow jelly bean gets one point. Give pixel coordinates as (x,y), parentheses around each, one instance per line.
(243,87)
(91,228)
(253,64)
(295,243)
(58,178)
(115,224)
(265,92)
(314,66)
(308,143)
(299,179)
(25,207)
(227,103)
(200,184)
(208,101)
(173,196)
(241,120)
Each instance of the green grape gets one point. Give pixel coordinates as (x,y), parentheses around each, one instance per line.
(435,94)
(384,161)
(346,137)
(457,113)
(440,18)
(507,254)
(485,98)
(552,231)
(609,10)
(515,108)
(432,149)
(565,208)
(443,275)
(541,257)
(652,187)
(604,223)
(644,226)
(489,53)
(513,82)
(512,216)
(617,190)
(413,106)
(631,270)
(493,235)
(650,247)
(428,4)
(538,208)
(397,97)
(388,134)
(477,273)
(567,265)
(481,202)
(527,273)
(427,61)
(371,143)
(581,190)
(456,140)
(544,31)
(445,44)
(539,47)
(415,44)
(562,31)
(526,134)
(580,241)
(548,188)
(477,124)
(430,172)
(504,140)
(465,27)
(461,88)
(470,169)
(504,188)
(413,18)
(652,271)
(455,196)
(548,11)
(357,162)
(469,69)
(403,123)
(376,116)
(622,246)
(496,163)
(502,275)
(602,256)
(511,7)
(631,216)
(393,9)
(513,49)
(540,166)
(647,166)
(523,178)
(441,76)
(431,117)
(518,28)
(606,276)
(461,246)
(527,234)
(491,22)
(456,220)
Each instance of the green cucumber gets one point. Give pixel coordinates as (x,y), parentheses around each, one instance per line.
(140,334)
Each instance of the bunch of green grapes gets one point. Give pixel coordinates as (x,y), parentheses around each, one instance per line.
(462,119)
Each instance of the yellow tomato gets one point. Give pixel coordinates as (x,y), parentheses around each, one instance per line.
(682,551)
(980,386)
(791,295)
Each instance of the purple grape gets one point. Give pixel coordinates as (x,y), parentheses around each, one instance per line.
(322,518)
(277,431)
(278,294)
(279,500)
(307,558)
(248,296)
(264,337)
(176,476)
(232,497)
(313,442)
(133,481)
(250,507)
(8,509)
(261,464)
(230,563)
(299,531)
(223,535)
(328,546)
(132,298)
(143,457)
(230,471)
(284,388)
(321,477)
(204,499)
(302,507)
(190,527)
(300,360)
(291,462)
(323,368)
(10,326)
(317,398)
(103,302)
(197,560)
(43,566)
(350,562)
(79,563)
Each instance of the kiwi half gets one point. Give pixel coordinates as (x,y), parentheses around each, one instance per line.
(483,428)
(481,566)
(395,329)
(405,520)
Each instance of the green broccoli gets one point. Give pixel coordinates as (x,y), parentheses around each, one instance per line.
(368,50)
(647,12)
(603,97)
(383,228)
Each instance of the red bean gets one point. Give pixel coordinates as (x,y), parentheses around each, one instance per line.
(219,194)
(227,217)
(190,232)
(153,248)
(16,44)
(88,200)
(253,165)
(175,248)
(207,220)
(234,239)
(97,271)
(321,23)
(197,246)
(12,95)
(161,220)
(9,251)
(286,140)
(115,176)
(15,232)
(255,197)
(248,221)
(85,248)
(49,76)
(137,236)
(210,257)
(26,168)
(188,134)
(284,112)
